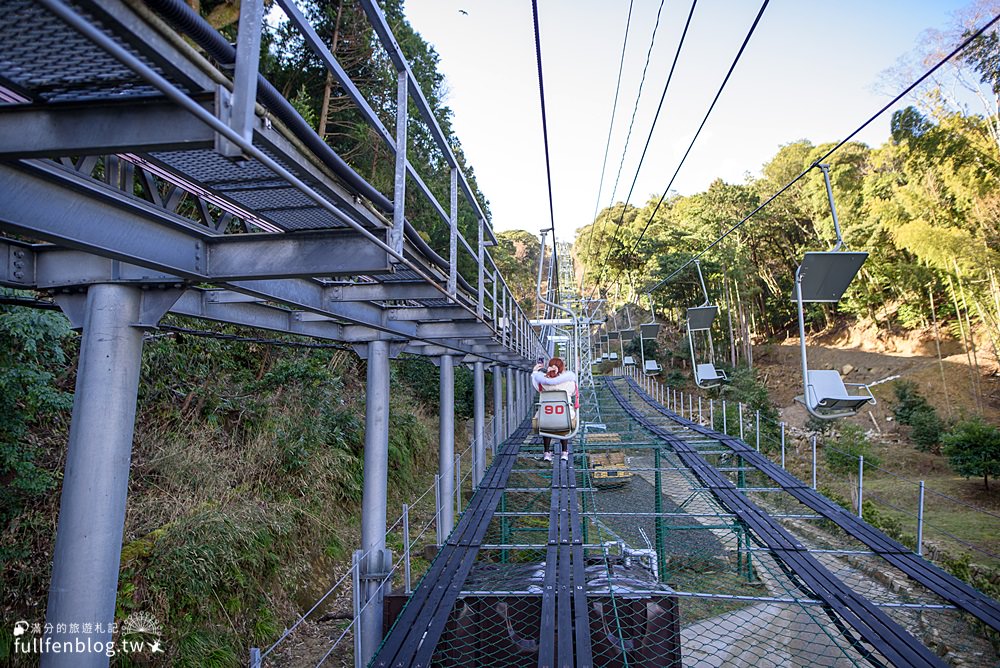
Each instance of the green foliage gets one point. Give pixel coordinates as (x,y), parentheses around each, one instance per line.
(32,352)
(973,449)
(927,429)
(908,401)
(842,455)
(747,387)
(423,378)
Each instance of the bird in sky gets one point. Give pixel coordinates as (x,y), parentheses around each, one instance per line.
(462,11)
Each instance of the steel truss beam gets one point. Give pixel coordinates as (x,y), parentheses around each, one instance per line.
(41,131)
(50,268)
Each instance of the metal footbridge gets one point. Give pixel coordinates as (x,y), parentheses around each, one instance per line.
(148,167)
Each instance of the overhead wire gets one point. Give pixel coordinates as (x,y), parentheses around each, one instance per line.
(649,137)
(545,136)
(954,52)
(704,120)
(635,109)
(611,125)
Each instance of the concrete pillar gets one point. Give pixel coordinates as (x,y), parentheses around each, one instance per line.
(446,446)
(88,545)
(478,422)
(373,498)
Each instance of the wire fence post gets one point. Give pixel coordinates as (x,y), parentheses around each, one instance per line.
(711,413)
(699,409)
(739,407)
(406,549)
(437,509)
(356,600)
(757,421)
(458,483)
(691,407)
(861,482)
(814,460)
(782,444)
(920,520)
(725,419)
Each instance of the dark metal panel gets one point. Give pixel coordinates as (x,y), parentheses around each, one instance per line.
(330,253)
(74,129)
(383,292)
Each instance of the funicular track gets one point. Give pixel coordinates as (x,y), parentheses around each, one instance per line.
(457,616)
(880,631)
(415,638)
(948,587)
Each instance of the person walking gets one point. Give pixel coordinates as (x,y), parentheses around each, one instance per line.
(555,376)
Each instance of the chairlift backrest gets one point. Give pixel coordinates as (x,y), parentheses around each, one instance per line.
(627,335)
(825,276)
(648,331)
(701,317)
(554,411)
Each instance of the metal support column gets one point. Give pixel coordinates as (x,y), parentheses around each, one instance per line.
(373,501)
(511,410)
(446,445)
(499,433)
(95,483)
(244,96)
(399,180)
(478,422)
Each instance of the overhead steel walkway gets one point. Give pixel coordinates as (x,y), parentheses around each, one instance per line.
(148,167)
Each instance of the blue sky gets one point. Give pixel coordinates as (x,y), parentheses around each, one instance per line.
(813,70)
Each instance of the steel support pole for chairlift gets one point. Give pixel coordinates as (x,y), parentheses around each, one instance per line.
(499,433)
(95,483)
(512,415)
(478,422)
(373,499)
(782,445)
(920,520)
(446,444)
(814,461)
(861,484)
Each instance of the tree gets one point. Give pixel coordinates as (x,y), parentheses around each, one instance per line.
(973,449)
(516,256)
(842,457)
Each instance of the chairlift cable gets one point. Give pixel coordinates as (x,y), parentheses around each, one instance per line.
(611,125)
(635,109)
(711,107)
(649,137)
(954,52)
(545,139)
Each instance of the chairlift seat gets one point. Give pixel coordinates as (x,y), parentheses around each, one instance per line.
(701,317)
(604,356)
(556,417)
(649,330)
(628,361)
(706,375)
(613,356)
(651,368)
(827,395)
(825,276)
